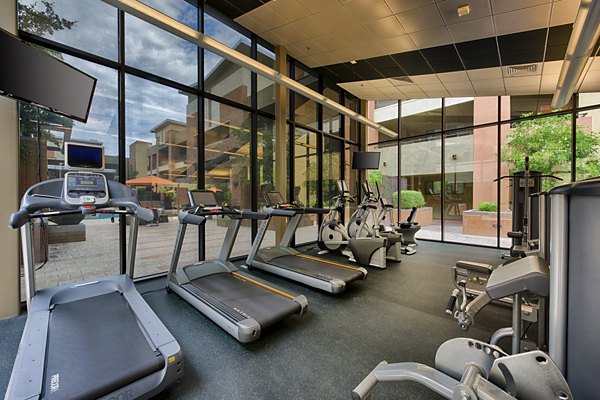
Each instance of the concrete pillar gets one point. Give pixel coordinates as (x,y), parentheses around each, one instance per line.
(9,201)
(281,134)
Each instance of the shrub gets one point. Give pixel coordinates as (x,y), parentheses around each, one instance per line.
(487,206)
(409,199)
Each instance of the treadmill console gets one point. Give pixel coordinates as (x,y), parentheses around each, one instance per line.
(342,187)
(81,188)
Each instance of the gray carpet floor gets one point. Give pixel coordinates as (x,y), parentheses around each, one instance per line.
(396,314)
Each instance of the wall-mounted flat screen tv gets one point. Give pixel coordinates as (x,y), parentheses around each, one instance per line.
(28,74)
(365,160)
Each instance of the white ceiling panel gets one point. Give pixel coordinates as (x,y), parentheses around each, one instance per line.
(448,9)
(291,10)
(522,90)
(399,6)
(310,47)
(552,67)
(252,24)
(452,86)
(290,33)
(314,6)
(338,18)
(485,73)
(420,19)
(431,37)
(331,41)
(273,38)
(595,64)
(472,30)
(385,27)
(526,19)
(590,87)
(488,84)
(519,81)
(398,44)
(265,16)
(380,83)
(428,87)
(312,26)
(502,6)
(356,34)
(490,92)
(462,93)
(564,12)
(437,93)
(425,79)
(457,76)
(365,11)
(325,58)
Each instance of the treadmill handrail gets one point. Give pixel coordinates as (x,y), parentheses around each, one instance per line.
(189,218)
(280,212)
(315,210)
(35,200)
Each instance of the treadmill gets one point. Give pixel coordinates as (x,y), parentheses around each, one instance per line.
(97,338)
(239,303)
(282,260)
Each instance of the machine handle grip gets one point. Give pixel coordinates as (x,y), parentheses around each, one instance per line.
(452,302)
(247,214)
(188,218)
(284,213)
(144,214)
(315,210)
(18,218)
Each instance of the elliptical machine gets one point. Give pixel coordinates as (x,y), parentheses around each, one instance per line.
(406,230)
(334,237)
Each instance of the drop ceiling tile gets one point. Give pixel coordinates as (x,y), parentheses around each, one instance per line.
(458,76)
(477,54)
(291,33)
(308,61)
(431,37)
(370,49)
(338,18)
(331,41)
(433,94)
(413,63)
(273,38)
(312,26)
(564,12)
(420,19)
(251,24)
(365,11)
(552,67)
(450,86)
(525,81)
(266,16)
(382,62)
(364,69)
(462,93)
(291,10)
(325,58)
(485,73)
(425,79)
(471,30)
(590,87)
(399,6)
(380,83)
(398,44)
(592,76)
(355,35)
(523,90)
(502,6)
(523,47)
(490,92)
(443,58)
(550,79)
(345,54)
(523,20)
(432,87)
(595,64)
(310,47)
(488,84)
(448,9)
(385,27)
(314,6)
(558,40)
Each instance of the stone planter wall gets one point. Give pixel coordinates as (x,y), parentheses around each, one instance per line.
(483,223)
(424,215)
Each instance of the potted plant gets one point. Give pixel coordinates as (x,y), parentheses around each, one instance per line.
(483,221)
(408,200)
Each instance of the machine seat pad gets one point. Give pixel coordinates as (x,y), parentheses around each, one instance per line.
(475,266)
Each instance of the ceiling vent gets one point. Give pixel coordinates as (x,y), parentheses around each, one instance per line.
(401,81)
(521,70)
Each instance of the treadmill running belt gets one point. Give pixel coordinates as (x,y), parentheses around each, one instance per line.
(95,347)
(253,301)
(316,269)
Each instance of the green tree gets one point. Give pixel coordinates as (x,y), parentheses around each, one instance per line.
(547,142)
(40,22)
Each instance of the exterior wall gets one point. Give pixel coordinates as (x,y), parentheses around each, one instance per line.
(9,165)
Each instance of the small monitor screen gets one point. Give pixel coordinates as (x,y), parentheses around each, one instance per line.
(342,187)
(274,198)
(203,197)
(365,160)
(84,156)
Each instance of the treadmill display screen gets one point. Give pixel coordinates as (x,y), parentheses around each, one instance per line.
(84,156)
(203,197)
(274,198)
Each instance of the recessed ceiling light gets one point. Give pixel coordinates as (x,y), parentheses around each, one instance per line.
(463,10)
(353,62)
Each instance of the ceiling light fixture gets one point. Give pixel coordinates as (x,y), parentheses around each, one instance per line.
(463,10)
(353,62)
(586,31)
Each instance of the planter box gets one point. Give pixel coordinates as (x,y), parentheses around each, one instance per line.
(484,223)
(424,215)
(66,233)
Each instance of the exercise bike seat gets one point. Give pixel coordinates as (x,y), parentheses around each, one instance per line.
(475,266)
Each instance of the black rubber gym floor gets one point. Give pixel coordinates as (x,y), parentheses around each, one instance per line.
(396,314)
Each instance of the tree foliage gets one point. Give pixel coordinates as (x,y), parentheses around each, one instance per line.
(547,142)
(40,22)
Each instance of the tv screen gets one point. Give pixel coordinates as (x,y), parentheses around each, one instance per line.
(365,160)
(205,197)
(84,156)
(28,74)
(274,198)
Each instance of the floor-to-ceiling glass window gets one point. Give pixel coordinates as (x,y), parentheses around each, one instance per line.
(306,184)
(332,168)
(267,170)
